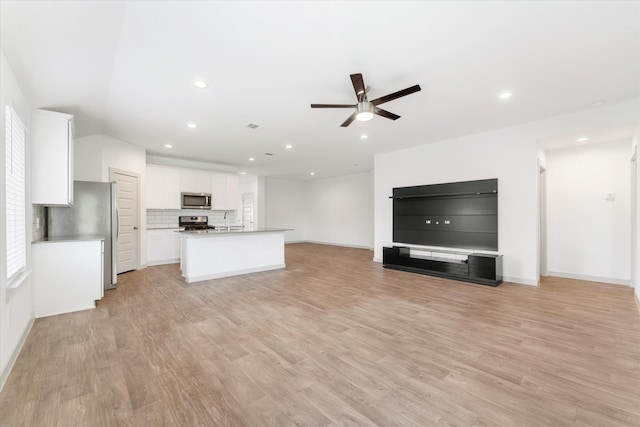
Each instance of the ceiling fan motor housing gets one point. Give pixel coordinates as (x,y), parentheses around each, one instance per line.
(364,111)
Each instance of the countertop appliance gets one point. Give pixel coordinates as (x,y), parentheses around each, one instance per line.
(196,200)
(93,213)
(194,223)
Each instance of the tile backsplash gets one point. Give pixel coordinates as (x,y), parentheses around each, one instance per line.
(38,223)
(165,218)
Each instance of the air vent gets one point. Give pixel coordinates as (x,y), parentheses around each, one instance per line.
(268,154)
(253,126)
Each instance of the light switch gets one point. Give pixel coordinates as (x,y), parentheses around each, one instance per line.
(609,197)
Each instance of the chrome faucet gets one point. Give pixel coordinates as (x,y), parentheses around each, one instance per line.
(225,217)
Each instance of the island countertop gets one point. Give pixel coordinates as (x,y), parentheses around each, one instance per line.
(224,230)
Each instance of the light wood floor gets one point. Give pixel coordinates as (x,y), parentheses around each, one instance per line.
(333,340)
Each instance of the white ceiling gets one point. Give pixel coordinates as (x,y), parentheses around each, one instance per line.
(126,69)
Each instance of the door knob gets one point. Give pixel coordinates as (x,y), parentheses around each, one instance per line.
(135,228)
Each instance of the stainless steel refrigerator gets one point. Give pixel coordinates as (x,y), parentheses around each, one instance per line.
(93,213)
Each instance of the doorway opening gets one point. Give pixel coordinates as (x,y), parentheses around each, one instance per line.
(542,226)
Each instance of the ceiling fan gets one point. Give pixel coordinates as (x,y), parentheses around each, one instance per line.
(365,109)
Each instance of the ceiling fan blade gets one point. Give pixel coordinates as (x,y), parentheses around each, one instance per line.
(333,106)
(385,113)
(358,86)
(350,119)
(396,95)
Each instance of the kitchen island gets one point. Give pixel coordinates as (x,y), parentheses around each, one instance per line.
(212,254)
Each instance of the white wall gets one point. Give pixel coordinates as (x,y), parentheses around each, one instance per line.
(635,261)
(509,154)
(333,211)
(16,305)
(95,154)
(285,208)
(505,154)
(339,211)
(589,237)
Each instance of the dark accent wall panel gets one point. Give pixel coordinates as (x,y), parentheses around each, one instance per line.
(461,215)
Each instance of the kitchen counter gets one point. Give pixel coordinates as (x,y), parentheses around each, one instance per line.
(163,227)
(68,239)
(212,254)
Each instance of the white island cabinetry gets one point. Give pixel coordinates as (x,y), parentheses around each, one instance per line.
(52,158)
(215,254)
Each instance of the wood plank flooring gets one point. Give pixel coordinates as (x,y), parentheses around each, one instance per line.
(333,340)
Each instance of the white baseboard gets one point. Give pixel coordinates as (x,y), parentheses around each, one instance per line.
(193,279)
(609,280)
(520,281)
(331,244)
(14,356)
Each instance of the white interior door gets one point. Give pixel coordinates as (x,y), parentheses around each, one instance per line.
(247,210)
(128,232)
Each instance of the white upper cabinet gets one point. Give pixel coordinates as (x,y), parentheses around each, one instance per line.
(163,187)
(224,192)
(52,158)
(165,183)
(193,181)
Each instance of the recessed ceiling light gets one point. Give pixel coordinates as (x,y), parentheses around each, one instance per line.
(201,84)
(251,159)
(191,125)
(364,136)
(505,95)
(168,146)
(312,173)
(583,139)
(288,146)
(243,173)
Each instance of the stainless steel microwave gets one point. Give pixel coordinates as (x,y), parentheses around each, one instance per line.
(196,200)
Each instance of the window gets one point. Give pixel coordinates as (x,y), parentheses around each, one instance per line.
(15,197)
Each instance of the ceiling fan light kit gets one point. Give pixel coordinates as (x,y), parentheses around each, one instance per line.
(365,109)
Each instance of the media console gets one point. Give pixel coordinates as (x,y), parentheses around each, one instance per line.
(484,269)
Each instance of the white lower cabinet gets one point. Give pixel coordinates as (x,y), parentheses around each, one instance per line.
(67,276)
(163,246)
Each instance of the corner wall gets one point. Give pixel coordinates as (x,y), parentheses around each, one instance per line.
(285,208)
(339,210)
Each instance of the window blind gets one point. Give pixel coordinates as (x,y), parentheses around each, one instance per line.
(15,194)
